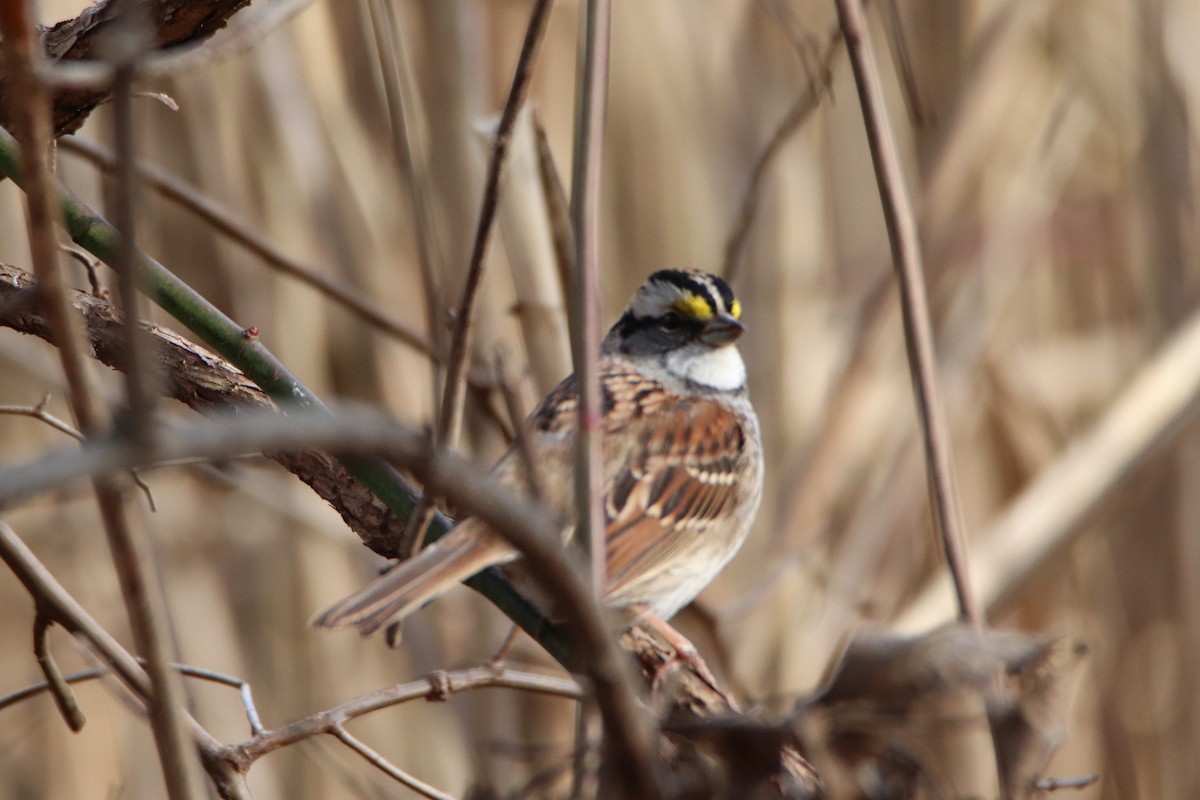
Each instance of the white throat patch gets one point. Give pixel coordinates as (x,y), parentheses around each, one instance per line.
(718,368)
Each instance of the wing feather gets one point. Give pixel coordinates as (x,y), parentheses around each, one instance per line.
(676,482)
(671,463)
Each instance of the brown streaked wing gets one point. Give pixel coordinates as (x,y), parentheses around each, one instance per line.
(670,488)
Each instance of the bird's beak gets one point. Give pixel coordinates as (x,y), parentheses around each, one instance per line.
(721,330)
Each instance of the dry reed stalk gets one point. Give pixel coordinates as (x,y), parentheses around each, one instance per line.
(1034,529)
(528,236)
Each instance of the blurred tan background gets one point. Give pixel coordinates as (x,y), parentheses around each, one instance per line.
(1050,151)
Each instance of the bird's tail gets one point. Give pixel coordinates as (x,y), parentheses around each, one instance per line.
(458,555)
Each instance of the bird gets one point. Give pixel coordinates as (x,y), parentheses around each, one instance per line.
(682,465)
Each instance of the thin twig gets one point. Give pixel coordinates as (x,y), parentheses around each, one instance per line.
(146,607)
(903,61)
(579,751)
(126,44)
(914,302)
(389,44)
(138,585)
(540,272)
(1055,784)
(225,222)
(435,687)
(449,423)
(40,413)
(502,652)
(34,689)
(516,416)
(388,768)
(558,208)
(591,101)
(243,687)
(64,698)
(89,265)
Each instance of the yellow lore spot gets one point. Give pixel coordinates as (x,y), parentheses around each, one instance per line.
(695,306)
(735,310)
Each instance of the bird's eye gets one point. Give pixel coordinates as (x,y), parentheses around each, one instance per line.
(671,321)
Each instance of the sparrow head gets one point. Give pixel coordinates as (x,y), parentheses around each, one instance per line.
(676,308)
(687,322)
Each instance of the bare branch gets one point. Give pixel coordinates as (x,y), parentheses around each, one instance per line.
(54,602)
(174,23)
(591,102)
(914,303)
(435,688)
(125,46)
(243,687)
(40,413)
(516,415)
(383,765)
(537,260)
(1056,784)
(64,698)
(89,264)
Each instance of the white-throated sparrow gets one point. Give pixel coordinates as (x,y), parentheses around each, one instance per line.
(682,462)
